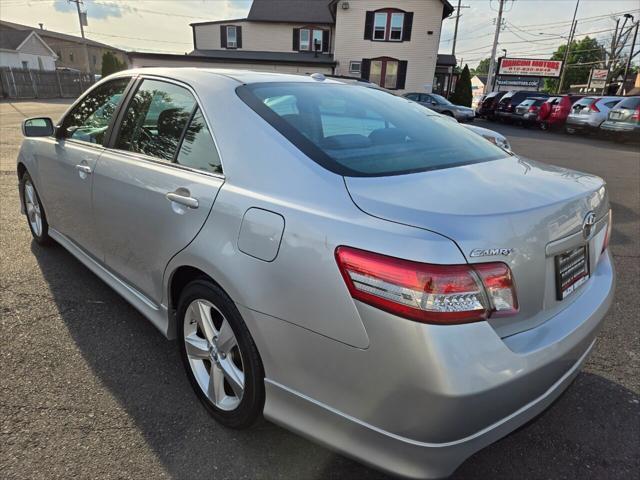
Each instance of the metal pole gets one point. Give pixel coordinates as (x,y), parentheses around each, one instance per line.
(492,64)
(626,68)
(566,53)
(86,47)
(455,31)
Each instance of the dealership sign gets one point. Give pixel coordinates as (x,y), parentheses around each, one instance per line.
(598,78)
(530,67)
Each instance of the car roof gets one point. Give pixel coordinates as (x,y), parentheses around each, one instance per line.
(241,76)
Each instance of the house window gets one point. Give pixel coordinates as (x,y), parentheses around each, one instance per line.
(311,39)
(94,59)
(232,38)
(380,26)
(40,63)
(71,57)
(388,25)
(354,67)
(304,39)
(317,41)
(397,21)
(386,72)
(25,64)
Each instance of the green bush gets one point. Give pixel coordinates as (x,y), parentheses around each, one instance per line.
(111,64)
(463,94)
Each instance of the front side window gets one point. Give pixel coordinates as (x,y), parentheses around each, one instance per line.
(380,26)
(232,39)
(357,131)
(89,120)
(155,119)
(197,149)
(397,21)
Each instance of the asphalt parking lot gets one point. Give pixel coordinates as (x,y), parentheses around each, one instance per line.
(89,389)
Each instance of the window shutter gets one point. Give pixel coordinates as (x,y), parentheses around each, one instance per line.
(296,39)
(223,36)
(406,28)
(239,37)
(368,25)
(325,41)
(365,68)
(402,74)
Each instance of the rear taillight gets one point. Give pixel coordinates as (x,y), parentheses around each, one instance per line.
(636,114)
(533,108)
(607,235)
(441,294)
(593,107)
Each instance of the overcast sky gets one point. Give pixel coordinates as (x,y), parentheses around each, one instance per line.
(532,28)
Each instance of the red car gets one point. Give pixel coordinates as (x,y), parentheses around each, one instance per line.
(560,111)
(545,111)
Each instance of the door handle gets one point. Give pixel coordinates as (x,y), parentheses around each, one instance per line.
(84,168)
(182,196)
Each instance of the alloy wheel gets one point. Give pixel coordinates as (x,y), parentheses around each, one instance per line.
(214,354)
(34,211)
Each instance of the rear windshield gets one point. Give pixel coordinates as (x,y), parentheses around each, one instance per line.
(582,104)
(359,131)
(631,103)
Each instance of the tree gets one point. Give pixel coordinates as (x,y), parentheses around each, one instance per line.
(482,68)
(111,64)
(584,55)
(463,94)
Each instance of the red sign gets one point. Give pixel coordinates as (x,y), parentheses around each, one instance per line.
(530,67)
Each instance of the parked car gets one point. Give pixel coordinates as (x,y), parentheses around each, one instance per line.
(486,108)
(441,105)
(526,113)
(588,113)
(545,111)
(490,135)
(376,278)
(506,107)
(623,122)
(560,112)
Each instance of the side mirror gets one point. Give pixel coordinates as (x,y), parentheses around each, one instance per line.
(38,127)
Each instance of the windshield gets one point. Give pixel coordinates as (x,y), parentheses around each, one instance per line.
(357,131)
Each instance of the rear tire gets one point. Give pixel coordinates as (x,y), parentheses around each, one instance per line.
(570,131)
(219,355)
(34,211)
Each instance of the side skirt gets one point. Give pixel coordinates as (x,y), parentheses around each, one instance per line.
(156,314)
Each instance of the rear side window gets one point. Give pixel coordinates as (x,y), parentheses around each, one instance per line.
(197,149)
(612,103)
(630,103)
(582,104)
(358,131)
(155,119)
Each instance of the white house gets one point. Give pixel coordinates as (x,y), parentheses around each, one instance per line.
(25,49)
(393,43)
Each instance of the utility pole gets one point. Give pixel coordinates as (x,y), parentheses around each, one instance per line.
(574,23)
(86,48)
(455,32)
(492,65)
(626,68)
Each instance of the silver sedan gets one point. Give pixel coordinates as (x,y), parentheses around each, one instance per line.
(381,280)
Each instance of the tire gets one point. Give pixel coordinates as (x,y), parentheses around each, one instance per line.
(569,131)
(544,126)
(34,211)
(219,355)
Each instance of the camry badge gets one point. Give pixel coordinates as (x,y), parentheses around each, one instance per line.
(490,252)
(588,223)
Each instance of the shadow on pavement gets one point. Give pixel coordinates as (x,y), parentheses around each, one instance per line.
(585,434)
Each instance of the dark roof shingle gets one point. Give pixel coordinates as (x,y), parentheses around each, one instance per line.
(11,39)
(303,11)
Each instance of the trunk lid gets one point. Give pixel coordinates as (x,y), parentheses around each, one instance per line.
(535,210)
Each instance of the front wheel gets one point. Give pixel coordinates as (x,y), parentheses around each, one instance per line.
(219,355)
(36,217)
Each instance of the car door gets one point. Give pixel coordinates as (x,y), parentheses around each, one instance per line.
(66,164)
(156,183)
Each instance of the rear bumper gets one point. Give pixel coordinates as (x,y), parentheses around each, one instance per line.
(423,398)
(620,127)
(582,124)
(464,116)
